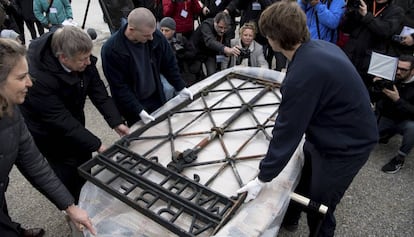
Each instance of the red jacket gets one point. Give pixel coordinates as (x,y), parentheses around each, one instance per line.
(183,12)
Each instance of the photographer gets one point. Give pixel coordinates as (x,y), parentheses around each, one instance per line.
(323,17)
(212,42)
(251,52)
(370,27)
(395,108)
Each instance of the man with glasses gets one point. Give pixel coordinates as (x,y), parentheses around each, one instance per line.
(212,42)
(132,60)
(395,108)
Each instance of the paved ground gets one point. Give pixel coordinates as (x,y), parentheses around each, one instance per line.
(376,204)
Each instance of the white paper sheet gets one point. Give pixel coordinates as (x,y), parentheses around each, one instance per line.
(383,66)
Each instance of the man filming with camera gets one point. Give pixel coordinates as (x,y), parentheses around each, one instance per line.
(395,108)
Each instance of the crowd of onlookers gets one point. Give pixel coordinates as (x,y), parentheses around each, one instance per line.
(359,27)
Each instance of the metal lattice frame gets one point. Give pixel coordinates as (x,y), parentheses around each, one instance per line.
(189,207)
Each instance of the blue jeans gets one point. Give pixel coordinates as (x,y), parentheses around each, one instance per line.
(388,127)
(168,89)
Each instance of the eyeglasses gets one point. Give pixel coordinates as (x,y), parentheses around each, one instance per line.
(403,69)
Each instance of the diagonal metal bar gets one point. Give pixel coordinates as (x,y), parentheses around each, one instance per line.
(190,155)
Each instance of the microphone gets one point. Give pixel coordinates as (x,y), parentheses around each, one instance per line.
(92,33)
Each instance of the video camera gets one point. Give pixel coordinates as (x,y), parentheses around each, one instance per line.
(379,85)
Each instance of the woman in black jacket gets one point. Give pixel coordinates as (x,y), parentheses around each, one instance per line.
(17,146)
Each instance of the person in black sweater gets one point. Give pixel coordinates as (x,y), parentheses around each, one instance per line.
(133,59)
(323,99)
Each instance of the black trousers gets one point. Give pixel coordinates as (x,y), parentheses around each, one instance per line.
(324,179)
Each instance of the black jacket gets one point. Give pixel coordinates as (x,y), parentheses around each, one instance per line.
(408,6)
(54,105)
(402,109)
(17,147)
(214,9)
(207,42)
(370,33)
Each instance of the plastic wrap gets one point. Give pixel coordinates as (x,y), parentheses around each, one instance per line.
(260,217)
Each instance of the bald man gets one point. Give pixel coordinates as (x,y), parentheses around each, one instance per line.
(133,59)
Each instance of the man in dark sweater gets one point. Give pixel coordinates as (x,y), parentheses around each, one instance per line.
(395,108)
(133,59)
(323,98)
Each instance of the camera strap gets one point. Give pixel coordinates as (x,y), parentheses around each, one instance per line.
(48,8)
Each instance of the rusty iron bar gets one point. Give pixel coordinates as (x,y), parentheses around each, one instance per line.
(190,155)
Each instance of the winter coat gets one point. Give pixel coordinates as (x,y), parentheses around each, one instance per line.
(26,9)
(207,42)
(155,6)
(17,148)
(400,110)
(54,106)
(185,23)
(62,7)
(408,6)
(251,13)
(323,18)
(256,58)
(214,9)
(370,33)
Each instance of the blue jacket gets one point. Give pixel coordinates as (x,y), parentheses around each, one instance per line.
(121,71)
(328,17)
(326,100)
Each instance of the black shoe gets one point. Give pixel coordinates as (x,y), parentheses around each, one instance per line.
(291,227)
(394,165)
(34,232)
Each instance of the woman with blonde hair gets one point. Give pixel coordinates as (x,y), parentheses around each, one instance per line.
(251,52)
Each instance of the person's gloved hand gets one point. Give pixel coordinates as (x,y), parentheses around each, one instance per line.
(252,188)
(186,93)
(145,117)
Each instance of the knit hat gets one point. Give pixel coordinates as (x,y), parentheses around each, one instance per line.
(168,22)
